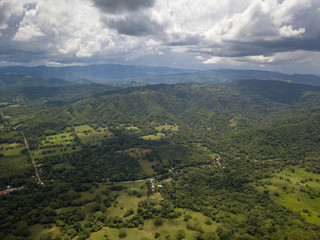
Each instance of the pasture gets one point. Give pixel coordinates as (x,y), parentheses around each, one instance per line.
(11,149)
(296,189)
(167,127)
(58,140)
(141,155)
(157,136)
(90,135)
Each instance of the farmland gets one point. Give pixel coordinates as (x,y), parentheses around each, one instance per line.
(90,135)
(296,189)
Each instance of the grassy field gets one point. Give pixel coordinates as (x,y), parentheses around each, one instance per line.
(132,128)
(11,149)
(59,139)
(158,136)
(88,135)
(297,190)
(125,200)
(36,231)
(10,134)
(14,106)
(170,227)
(168,127)
(139,153)
(3,104)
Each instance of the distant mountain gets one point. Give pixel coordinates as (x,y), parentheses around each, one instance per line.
(19,80)
(103,73)
(229,75)
(119,74)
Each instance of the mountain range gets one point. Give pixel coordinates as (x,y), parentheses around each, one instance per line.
(115,74)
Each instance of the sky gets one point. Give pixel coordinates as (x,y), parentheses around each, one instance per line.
(280,35)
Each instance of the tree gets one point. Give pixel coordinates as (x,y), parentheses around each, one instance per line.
(122,233)
(181,234)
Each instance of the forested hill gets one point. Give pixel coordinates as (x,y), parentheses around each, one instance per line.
(241,105)
(230,75)
(18,80)
(99,73)
(113,73)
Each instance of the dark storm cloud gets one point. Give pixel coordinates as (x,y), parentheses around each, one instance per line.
(135,25)
(119,6)
(266,48)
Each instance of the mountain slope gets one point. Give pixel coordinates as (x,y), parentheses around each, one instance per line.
(98,73)
(200,106)
(18,80)
(229,75)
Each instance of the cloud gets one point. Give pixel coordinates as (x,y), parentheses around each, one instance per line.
(135,25)
(120,6)
(229,31)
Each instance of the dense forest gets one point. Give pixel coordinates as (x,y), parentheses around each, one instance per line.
(238,160)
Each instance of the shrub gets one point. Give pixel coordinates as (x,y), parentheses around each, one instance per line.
(122,233)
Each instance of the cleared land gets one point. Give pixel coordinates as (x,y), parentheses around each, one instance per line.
(58,139)
(140,154)
(11,149)
(157,136)
(296,189)
(89,135)
(167,127)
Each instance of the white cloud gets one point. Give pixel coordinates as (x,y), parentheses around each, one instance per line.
(230,31)
(288,31)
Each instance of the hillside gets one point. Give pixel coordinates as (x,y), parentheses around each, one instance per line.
(18,80)
(200,106)
(103,73)
(230,75)
(184,161)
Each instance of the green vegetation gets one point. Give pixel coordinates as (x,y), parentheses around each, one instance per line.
(14,170)
(156,136)
(89,135)
(63,139)
(11,149)
(188,161)
(297,190)
(167,127)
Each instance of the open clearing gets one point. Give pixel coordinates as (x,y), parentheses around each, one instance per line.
(89,135)
(126,198)
(157,136)
(297,190)
(65,139)
(11,149)
(168,127)
(140,154)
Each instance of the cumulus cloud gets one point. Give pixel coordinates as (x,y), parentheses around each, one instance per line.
(229,31)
